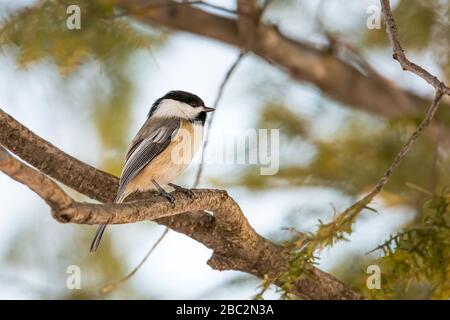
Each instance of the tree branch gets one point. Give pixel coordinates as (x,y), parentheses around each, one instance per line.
(305,63)
(344,220)
(235,244)
(248,20)
(400,56)
(44,187)
(55,163)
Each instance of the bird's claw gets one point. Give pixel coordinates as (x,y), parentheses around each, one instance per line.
(169,197)
(186,191)
(164,193)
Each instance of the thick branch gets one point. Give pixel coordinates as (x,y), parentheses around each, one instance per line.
(235,244)
(55,163)
(303,62)
(248,20)
(48,190)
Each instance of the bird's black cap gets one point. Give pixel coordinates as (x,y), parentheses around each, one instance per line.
(184,96)
(179,95)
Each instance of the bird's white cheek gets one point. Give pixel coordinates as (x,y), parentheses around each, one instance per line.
(171,108)
(186,111)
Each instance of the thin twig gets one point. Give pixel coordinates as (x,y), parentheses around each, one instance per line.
(212,6)
(348,216)
(387,242)
(108,288)
(154,6)
(440,87)
(398,236)
(355,209)
(409,143)
(399,53)
(210,120)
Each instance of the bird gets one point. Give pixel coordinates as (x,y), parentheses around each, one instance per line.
(162,149)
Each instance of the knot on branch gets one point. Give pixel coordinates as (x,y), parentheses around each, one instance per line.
(223,262)
(61,216)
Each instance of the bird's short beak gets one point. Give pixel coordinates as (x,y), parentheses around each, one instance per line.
(208,109)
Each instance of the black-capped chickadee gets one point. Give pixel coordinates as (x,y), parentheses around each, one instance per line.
(175,122)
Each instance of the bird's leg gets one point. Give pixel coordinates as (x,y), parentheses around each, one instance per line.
(164,193)
(186,191)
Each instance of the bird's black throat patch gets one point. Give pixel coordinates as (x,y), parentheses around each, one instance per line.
(200,117)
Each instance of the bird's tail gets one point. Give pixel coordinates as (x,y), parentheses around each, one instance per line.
(97,238)
(99,234)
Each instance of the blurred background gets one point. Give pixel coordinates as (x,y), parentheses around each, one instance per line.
(89,91)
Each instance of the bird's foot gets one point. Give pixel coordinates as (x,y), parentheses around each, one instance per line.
(186,191)
(164,193)
(168,196)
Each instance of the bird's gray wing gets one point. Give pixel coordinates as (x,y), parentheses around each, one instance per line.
(150,141)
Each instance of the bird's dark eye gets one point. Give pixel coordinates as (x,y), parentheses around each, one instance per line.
(194,104)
